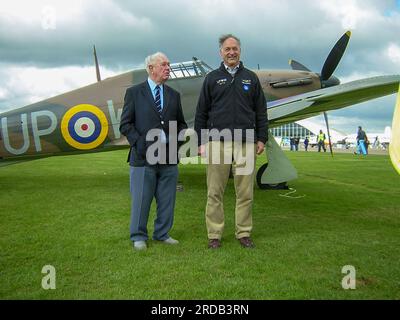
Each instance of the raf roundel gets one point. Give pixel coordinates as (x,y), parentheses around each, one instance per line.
(84,127)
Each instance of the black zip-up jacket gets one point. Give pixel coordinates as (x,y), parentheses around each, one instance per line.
(361,135)
(228,102)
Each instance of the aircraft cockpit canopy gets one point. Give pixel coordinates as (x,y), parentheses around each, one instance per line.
(194,68)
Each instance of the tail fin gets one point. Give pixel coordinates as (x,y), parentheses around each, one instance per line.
(394,146)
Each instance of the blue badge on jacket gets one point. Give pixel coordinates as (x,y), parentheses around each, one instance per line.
(246,87)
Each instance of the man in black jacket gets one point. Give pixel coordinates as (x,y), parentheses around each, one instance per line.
(233,104)
(149,108)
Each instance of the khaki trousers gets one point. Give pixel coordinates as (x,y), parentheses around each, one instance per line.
(220,157)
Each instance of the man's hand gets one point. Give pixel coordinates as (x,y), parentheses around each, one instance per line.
(260,147)
(202,151)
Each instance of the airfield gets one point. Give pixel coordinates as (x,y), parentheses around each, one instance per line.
(336,150)
(72,212)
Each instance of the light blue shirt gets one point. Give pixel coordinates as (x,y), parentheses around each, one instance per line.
(153,86)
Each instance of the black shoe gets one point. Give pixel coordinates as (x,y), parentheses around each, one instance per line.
(246,242)
(214,243)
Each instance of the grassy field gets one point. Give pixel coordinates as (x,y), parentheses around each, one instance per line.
(73,213)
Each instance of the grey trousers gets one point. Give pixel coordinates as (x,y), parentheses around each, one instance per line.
(146,182)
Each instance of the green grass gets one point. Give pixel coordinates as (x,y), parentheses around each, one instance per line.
(73,213)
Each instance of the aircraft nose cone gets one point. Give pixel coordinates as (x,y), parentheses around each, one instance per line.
(332,81)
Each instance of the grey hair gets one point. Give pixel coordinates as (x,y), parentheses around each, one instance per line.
(151,59)
(224,37)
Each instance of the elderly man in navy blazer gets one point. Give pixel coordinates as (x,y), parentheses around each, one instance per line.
(151,107)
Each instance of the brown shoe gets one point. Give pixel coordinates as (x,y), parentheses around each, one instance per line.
(246,242)
(214,243)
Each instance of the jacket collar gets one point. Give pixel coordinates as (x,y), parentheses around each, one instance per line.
(223,68)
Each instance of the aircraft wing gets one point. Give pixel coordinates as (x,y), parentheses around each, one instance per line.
(4,163)
(312,103)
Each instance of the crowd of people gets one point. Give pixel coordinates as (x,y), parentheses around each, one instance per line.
(362,142)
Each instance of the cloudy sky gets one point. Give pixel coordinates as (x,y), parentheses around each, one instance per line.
(46,46)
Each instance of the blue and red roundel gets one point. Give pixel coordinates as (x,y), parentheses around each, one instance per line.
(84,127)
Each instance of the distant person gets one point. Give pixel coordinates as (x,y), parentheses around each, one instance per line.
(231,99)
(147,106)
(306,142)
(376,143)
(296,143)
(291,143)
(361,141)
(321,141)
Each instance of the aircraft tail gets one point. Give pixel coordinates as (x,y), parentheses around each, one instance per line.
(394,146)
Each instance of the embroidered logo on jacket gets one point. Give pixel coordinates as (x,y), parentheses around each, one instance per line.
(221,82)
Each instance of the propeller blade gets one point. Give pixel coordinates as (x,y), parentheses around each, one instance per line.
(334,56)
(329,135)
(297,65)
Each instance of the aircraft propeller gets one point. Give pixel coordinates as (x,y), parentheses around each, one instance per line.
(330,64)
(334,56)
(297,65)
(326,76)
(329,67)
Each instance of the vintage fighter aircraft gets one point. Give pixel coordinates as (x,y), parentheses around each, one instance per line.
(87,119)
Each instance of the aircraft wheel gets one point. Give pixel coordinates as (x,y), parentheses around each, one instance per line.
(266,186)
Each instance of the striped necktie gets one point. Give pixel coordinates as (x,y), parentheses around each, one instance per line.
(157,99)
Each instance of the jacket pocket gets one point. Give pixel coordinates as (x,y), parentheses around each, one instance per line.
(140,146)
(136,159)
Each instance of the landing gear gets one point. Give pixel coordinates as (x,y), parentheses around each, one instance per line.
(266,186)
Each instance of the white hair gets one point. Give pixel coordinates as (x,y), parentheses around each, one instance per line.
(152,58)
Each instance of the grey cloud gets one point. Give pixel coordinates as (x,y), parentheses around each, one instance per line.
(127,31)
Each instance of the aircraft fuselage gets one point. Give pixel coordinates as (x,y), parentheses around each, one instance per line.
(87,119)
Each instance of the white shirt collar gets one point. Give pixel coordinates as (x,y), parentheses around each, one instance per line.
(232,70)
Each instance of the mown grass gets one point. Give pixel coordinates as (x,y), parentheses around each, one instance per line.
(73,213)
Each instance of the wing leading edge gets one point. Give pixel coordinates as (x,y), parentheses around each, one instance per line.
(315,102)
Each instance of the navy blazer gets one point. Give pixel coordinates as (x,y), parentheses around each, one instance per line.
(140,115)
